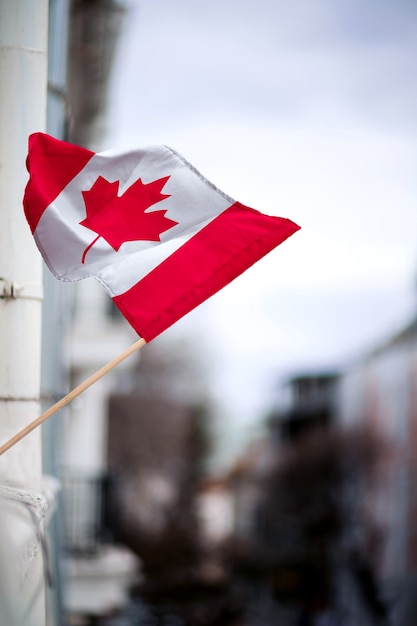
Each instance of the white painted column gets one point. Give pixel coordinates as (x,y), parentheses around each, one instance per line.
(23,89)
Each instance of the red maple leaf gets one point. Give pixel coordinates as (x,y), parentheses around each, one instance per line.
(122,218)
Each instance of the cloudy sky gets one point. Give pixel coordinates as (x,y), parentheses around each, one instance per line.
(303,109)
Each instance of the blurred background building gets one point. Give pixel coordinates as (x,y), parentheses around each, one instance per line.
(81,333)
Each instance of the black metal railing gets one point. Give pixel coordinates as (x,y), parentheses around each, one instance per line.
(90,511)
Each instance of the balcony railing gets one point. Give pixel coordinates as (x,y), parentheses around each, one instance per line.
(90,511)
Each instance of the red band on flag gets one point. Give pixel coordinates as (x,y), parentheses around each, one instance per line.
(52,165)
(212,258)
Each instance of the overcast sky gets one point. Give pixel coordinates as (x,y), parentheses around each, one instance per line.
(304,109)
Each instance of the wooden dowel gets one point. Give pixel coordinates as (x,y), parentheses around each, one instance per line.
(71,395)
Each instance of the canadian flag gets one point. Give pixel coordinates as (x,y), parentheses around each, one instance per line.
(146,224)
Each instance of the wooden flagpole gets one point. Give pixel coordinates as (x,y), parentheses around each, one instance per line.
(71,395)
